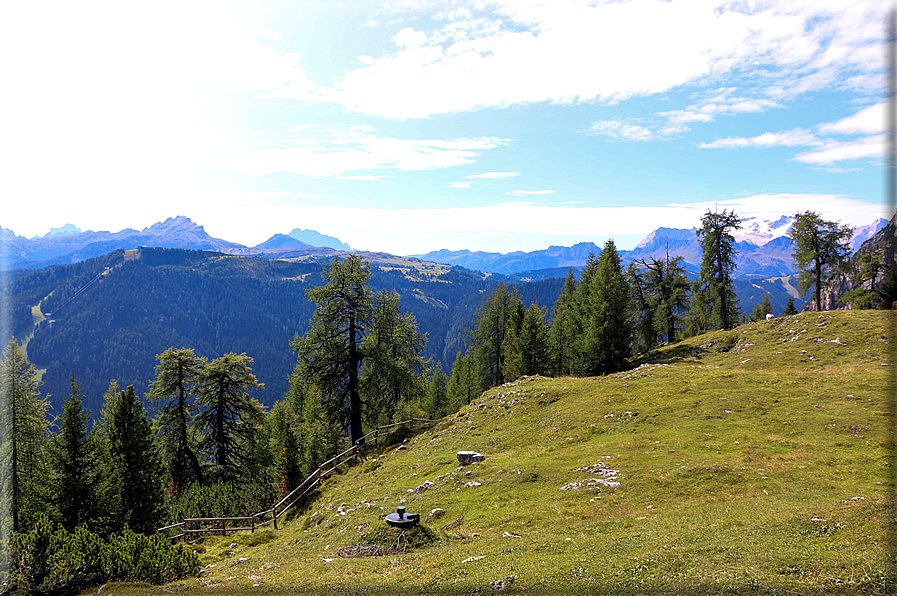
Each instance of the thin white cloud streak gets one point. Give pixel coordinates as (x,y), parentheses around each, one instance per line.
(831,152)
(417,231)
(619,130)
(522,193)
(492,175)
(458,185)
(495,54)
(791,138)
(332,152)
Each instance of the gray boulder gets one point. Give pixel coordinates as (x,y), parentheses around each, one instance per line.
(470,457)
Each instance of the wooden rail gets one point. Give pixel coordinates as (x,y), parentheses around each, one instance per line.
(220,524)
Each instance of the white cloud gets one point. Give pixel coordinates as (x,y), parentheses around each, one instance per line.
(370,24)
(869,120)
(797,137)
(521,193)
(333,152)
(500,53)
(616,129)
(492,175)
(458,185)
(270,34)
(831,152)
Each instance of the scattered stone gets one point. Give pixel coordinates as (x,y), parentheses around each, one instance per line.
(469,559)
(473,483)
(437,513)
(509,535)
(242,559)
(427,484)
(470,457)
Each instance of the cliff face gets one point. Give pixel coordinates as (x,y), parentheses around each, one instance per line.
(883,245)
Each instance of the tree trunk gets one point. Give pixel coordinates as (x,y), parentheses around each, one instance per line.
(818,286)
(354,398)
(724,308)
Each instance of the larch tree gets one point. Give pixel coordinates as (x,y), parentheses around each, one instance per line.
(229,420)
(668,286)
(24,438)
(490,334)
(644,328)
(175,387)
(819,247)
(718,265)
(530,353)
(394,367)
(361,352)
(464,383)
(437,398)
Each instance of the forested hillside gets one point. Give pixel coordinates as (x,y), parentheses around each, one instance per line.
(109,317)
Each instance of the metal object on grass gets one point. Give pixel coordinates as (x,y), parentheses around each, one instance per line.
(400,519)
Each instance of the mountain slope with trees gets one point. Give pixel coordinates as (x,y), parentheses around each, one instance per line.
(109,317)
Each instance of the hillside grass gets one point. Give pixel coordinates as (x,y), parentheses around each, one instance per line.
(750,461)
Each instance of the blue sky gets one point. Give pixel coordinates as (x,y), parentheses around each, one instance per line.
(411,126)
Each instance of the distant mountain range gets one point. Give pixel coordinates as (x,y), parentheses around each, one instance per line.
(763,247)
(69,244)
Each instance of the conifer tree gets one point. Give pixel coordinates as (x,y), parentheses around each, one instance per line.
(175,386)
(718,265)
(887,290)
(330,354)
(135,461)
(608,333)
(819,247)
(790,309)
(491,334)
(230,419)
(394,366)
(761,310)
(669,288)
(24,440)
(465,382)
(643,304)
(529,353)
(437,402)
(289,470)
(75,490)
(563,329)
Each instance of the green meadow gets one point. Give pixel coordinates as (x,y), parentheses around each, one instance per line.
(750,461)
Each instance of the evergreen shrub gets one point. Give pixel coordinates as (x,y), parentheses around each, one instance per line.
(50,559)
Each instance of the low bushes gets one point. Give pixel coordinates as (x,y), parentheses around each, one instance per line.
(49,559)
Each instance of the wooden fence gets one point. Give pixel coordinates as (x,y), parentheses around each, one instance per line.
(212,525)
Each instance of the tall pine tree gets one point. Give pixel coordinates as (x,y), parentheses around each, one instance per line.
(717,267)
(23,443)
(175,386)
(135,461)
(230,418)
(819,247)
(76,491)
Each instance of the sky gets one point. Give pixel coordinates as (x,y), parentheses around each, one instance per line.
(409,126)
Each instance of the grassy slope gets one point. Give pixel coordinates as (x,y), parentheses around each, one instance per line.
(753,470)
